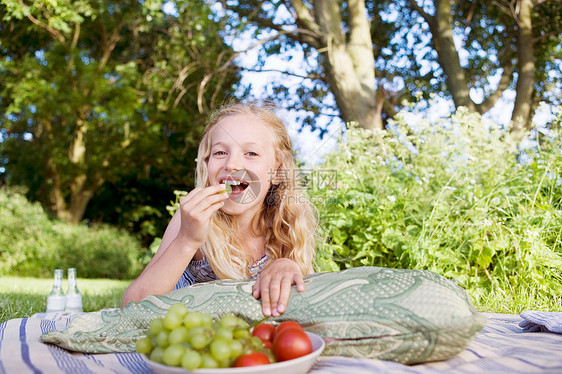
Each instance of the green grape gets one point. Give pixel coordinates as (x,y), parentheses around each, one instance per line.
(270,355)
(207,319)
(191,359)
(228,188)
(236,348)
(172,320)
(157,354)
(194,340)
(220,349)
(179,309)
(225,363)
(143,345)
(198,341)
(178,335)
(193,319)
(230,320)
(248,347)
(256,343)
(156,325)
(208,362)
(154,341)
(224,332)
(242,323)
(199,337)
(162,339)
(241,333)
(173,354)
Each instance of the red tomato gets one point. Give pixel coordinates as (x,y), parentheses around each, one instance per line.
(291,343)
(264,331)
(286,325)
(252,359)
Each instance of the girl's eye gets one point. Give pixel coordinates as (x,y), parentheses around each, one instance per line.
(252,154)
(219,153)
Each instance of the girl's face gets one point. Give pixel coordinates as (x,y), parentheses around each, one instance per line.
(243,155)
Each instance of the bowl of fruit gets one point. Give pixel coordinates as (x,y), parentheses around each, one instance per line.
(187,341)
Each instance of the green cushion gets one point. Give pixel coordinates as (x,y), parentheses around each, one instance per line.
(408,316)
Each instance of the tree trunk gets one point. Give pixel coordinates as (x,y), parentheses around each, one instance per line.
(526,62)
(81,189)
(81,192)
(441,27)
(348,64)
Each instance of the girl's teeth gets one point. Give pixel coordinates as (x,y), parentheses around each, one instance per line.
(232,183)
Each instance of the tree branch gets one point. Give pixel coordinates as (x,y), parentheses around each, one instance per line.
(491,100)
(329,21)
(284,72)
(54,32)
(304,17)
(544,36)
(75,36)
(110,46)
(360,26)
(428,18)
(471,12)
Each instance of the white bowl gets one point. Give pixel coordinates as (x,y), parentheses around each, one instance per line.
(299,365)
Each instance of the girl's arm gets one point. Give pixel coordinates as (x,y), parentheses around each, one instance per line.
(186,232)
(274,285)
(165,268)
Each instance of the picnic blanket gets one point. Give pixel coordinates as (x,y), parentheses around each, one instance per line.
(501,347)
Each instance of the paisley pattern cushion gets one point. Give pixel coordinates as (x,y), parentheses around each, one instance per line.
(408,316)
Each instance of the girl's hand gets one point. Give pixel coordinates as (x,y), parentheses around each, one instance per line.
(196,210)
(274,285)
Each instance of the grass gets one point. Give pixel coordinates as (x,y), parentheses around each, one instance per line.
(497,301)
(21,297)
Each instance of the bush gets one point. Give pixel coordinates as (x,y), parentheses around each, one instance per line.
(31,244)
(456,197)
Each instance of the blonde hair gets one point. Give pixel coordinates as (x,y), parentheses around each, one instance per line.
(286,215)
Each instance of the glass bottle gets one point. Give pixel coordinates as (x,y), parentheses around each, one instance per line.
(56,300)
(73,295)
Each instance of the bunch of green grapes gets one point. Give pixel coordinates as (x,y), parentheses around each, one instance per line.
(194,340)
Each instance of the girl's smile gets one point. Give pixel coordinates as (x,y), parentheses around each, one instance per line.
(245,186)
(242,155)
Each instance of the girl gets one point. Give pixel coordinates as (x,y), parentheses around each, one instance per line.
(263,229)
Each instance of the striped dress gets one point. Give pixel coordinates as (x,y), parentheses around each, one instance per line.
(199,271)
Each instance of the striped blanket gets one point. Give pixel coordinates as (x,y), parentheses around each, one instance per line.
(501,347)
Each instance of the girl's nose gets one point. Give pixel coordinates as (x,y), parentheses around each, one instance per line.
(233,162)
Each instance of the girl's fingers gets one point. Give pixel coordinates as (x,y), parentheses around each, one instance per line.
(200,199)
(274,285)
(263,290)
(280,303)
(299,282)
(196,210)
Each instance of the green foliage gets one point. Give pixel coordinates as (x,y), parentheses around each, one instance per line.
(34,245)
(456,197)
(102,95)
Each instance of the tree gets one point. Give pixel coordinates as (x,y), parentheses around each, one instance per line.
(354,39)
(344,46)
(503,37)
(95,90)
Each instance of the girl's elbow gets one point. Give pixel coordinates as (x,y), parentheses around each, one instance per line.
(130,295)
